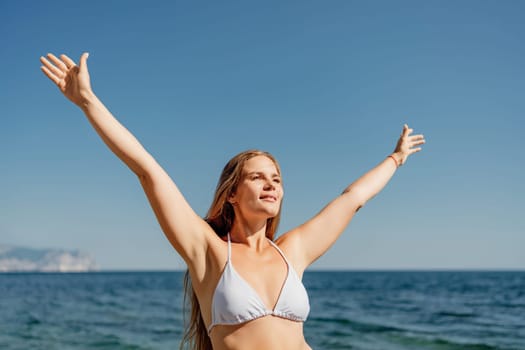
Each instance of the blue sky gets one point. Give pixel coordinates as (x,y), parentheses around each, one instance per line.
(323,85)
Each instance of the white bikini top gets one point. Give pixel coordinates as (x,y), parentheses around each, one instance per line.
(235,301)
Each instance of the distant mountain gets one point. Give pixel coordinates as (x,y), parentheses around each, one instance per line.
(45,260)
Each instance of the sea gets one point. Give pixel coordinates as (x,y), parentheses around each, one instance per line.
(366,310)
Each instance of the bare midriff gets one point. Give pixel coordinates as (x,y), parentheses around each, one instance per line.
(269,332)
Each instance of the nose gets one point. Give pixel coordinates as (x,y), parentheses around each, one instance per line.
(269,185)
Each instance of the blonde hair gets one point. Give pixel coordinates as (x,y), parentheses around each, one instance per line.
(220,217)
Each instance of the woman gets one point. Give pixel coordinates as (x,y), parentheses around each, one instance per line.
(246,289)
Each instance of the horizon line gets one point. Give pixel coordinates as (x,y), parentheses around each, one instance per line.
(306,271)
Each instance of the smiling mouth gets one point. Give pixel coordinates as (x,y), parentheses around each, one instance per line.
(269,198)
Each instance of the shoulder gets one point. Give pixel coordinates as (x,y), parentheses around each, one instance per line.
(290,245)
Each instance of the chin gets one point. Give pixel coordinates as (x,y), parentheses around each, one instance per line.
(269,214)
(273,214)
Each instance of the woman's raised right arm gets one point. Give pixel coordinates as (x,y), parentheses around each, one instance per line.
(185,230)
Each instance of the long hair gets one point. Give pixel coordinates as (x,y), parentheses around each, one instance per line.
(220,217)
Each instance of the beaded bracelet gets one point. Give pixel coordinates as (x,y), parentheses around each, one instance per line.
(395,161)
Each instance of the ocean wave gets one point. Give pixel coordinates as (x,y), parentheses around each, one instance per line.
(458,314)
(359,326)
(426,341)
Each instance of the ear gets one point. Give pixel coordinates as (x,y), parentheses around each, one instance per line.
(231,199)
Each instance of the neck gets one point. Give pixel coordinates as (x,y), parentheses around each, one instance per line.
(252,234)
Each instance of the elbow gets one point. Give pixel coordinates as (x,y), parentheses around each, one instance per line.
(147,171)
(142,178)
(145,178)
(140,171)
(357,197)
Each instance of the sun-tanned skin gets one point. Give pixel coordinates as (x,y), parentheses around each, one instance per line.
(257,198)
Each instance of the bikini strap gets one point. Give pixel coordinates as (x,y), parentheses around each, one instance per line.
(229,248)
(279,250)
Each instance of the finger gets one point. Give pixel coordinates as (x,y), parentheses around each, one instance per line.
(50,75)
(57,62)
(417,143)
(405,130)
(415,150)
(52,68)
(68,61)
(83,62)
(418,138)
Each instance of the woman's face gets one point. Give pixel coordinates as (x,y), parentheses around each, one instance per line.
(259,193)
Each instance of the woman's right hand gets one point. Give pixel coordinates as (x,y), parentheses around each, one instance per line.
(71,79)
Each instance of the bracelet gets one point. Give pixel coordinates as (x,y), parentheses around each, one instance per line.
(395,161)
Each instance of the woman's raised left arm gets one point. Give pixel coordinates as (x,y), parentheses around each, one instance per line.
(313,238)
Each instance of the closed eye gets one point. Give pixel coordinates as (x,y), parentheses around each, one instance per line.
(258,176)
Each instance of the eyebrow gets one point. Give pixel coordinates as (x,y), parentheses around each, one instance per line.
(261,173)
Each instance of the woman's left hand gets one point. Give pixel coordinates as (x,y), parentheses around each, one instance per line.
(406,145)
